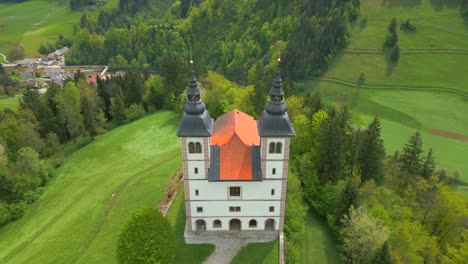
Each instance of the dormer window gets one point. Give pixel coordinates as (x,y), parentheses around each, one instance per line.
(195,147)
(275,147)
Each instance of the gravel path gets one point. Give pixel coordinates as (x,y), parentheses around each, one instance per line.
(228,245)
(225,250)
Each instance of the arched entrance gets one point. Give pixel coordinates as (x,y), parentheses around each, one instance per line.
(200,225)
(270,225)
(235,225)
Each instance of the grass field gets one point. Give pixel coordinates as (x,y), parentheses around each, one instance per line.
(33,22)
(9,102)
(258,253)
(186,254)
(318,245)
(80,215)
(426,89)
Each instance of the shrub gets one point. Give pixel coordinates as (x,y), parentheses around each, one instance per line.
(408,25)
(134,111)
(146,238)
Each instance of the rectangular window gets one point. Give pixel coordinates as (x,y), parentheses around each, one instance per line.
(199,209)
(196,170)
(196,192)
(272,209)
(272,191)
(273,171)
(234,191)
(234,209)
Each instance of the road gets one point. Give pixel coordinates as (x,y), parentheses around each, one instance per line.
(4,57)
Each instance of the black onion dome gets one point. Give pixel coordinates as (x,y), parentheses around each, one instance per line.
(275,121)
(196,121)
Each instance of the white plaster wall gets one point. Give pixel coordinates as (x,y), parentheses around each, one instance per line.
(244,223)
(248,208)
(274,164)
(191,165)
(249,190)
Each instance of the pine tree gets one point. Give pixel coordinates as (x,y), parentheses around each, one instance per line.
(372,154)
(393,26)
(395,55)
(330,149)
(383,255)
(410,158)
(428,167)
(346,128)
(349,197)
(314,103)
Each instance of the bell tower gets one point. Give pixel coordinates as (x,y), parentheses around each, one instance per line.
(275,131)
(195,130)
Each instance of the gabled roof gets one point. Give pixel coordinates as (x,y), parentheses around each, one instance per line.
(235,123)
(235,134)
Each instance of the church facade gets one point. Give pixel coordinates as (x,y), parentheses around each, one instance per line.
(235,169)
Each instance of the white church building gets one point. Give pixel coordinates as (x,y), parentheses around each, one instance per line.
(235,169)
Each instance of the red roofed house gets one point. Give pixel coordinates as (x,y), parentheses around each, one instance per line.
(235,168)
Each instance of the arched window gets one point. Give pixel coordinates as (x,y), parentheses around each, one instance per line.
(279,146)
(197,147)
(253,223)
(275,147)
(191,147)
(217,223)
(271,148)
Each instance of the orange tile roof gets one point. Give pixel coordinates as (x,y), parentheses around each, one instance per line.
(235,132)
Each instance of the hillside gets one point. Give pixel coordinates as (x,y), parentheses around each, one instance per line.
(44,21)
(84,207)
(425,90)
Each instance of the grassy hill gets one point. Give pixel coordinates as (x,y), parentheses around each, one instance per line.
(9,102)
(36,21)
(425,90)
(83,209)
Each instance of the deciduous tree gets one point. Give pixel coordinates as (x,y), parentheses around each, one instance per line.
(146,238)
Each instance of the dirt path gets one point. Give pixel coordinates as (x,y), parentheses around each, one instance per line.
(47,16)
(449,135)
(393,87)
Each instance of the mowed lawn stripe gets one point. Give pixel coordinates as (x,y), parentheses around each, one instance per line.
(137,159)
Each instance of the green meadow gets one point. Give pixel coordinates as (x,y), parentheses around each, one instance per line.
(427,89)
(33,22)
(79,216)
(9,102)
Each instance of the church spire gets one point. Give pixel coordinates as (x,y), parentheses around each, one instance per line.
(196,121)
(275,120)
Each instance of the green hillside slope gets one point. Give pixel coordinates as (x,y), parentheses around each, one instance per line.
(83,209)
(425,90)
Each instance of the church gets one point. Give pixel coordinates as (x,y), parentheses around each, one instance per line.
(235,169)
